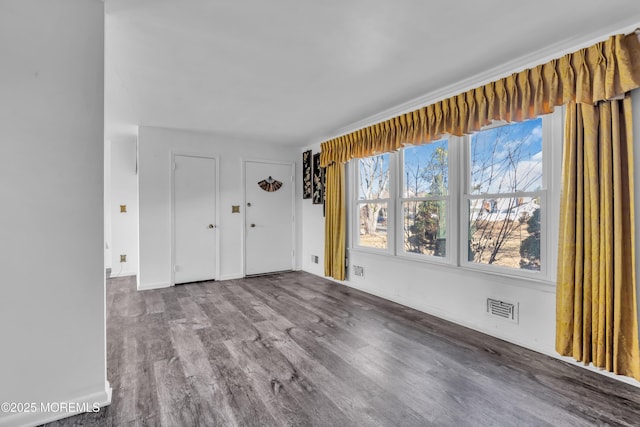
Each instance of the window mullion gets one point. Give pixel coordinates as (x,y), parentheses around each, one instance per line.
(464,176)
(399,218)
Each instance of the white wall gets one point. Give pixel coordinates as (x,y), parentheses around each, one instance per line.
(124,191)
(455,294)
(52,305)
(155,146)
(312,229)
(107,204)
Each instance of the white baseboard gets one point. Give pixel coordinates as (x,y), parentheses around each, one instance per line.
(29,419)
(157,285)
(231,277)
(123,274)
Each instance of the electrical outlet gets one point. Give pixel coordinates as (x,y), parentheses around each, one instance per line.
(314,259)
(123,258)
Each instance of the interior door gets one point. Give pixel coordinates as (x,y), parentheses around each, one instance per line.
(269,191)
(194,186)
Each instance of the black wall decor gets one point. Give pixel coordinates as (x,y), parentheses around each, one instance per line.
(324,191)
(318,180)
(306,174)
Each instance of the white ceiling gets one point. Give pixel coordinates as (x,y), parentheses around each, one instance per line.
(300,71)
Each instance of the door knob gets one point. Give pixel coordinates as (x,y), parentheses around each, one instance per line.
(253,225)
(212,226)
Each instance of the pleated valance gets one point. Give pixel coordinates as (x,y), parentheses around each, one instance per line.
(603,71)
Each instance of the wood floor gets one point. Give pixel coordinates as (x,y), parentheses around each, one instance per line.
(295,349)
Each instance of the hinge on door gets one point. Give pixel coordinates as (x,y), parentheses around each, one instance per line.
(291,178)
(174,165)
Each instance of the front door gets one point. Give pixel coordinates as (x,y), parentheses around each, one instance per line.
(269,215)
(194,186)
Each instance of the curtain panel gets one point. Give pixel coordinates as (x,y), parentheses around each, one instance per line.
(596,309)
(335,230)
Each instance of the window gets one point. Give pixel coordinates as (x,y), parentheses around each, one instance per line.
(424,202)
(480,201)
(505,195)
(373,202)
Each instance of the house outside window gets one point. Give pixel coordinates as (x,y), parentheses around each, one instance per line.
(479,202)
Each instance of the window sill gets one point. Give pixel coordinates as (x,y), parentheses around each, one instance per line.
(508,279)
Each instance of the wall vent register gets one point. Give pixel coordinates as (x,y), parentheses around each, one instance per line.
(502,309)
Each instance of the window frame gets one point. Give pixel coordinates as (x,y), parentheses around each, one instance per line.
(356,202)
(451,207)
(551,158)
(466,196)
(457,215)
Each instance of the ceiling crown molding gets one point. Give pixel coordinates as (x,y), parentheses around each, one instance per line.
(530,60)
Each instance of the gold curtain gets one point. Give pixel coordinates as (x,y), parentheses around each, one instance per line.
(603,71)
(335,232)
(596,317)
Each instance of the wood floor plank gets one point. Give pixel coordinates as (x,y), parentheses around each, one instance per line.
(375,392)
(211,401)
(176,406)
(267,384)
(244,400)
(263,308)
(296,349)
(244,305)
(172,306)
(153,301)
(194,314)
(354,399)
(387,370)
(232,325)
(294,313)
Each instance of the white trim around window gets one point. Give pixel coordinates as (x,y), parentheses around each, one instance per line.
(457,207)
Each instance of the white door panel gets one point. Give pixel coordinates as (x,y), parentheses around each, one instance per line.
(269,219)
(194,218)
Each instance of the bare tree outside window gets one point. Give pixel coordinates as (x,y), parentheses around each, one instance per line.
(504,195)
(373,177)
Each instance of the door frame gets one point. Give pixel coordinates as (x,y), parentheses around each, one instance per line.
(172,164)
(244,208)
